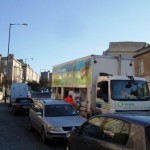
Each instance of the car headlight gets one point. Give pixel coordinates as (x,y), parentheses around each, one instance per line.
(55,129)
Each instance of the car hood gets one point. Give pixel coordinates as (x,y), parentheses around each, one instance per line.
(65,121)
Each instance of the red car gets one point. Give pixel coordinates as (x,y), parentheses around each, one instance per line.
(21,105)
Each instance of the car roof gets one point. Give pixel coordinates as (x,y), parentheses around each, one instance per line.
(54,102)
(143,120)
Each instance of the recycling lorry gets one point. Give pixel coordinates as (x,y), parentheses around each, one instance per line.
(18,90)
(101,84)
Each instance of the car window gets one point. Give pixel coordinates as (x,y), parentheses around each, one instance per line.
(59,110)
(92,127)
(115,131)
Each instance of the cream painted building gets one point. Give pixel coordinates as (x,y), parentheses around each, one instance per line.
(125,49)
(17,71)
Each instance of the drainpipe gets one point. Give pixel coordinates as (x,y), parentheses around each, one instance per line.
(119,65)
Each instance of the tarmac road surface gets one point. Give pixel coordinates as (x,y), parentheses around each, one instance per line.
(15,133)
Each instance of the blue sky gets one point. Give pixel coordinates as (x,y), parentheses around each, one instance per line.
(62,30)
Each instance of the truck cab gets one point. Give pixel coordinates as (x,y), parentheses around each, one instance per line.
(122,93)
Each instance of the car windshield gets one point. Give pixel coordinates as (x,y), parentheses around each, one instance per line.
(59,110)
(126,90)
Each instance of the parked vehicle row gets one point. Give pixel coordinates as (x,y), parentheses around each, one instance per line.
(52,119)
(57,119)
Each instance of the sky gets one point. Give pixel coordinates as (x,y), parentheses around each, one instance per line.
(59,31)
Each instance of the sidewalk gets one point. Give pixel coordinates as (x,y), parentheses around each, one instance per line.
(2,103)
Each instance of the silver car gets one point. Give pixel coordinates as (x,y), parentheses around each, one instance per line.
(54,119)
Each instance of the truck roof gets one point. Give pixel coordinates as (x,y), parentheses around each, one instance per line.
(94,57)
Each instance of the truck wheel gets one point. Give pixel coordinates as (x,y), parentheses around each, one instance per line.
(43,136)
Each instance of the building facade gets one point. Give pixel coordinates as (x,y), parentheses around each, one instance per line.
(125,49)
(46,79)
(16,71)
(142,62)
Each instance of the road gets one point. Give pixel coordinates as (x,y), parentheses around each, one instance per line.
(15,133)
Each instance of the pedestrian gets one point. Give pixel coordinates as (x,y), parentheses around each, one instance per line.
(69,99)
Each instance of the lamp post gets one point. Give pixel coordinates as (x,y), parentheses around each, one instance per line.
(8,56)
(28,58)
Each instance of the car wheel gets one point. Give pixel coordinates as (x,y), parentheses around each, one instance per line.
(30,125)
(43,136)
(68,147)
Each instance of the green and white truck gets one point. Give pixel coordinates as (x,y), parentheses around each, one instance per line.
(96,81)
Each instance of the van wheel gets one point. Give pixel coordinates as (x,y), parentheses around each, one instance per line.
(43,136)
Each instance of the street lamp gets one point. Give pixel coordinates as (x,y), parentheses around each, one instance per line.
(28,58)
(8,56)
(24,24)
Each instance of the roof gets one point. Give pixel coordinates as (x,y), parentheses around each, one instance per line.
(53,102)
(139,119)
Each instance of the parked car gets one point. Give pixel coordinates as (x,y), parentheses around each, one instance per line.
(53,119)
(111,132)
(21,105)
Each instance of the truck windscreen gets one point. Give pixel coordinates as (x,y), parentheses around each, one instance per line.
(130,91)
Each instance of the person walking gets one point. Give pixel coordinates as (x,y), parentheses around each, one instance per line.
(69,99)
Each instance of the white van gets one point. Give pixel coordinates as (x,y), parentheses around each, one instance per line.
(19,90)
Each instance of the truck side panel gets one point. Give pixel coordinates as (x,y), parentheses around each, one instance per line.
(76,73)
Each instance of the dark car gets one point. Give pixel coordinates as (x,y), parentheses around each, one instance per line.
(112,132)
(21,105)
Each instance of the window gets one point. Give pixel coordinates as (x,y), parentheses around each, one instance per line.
(116,131)
(92,127)
(59,110)
(24,100)
(125,90)
(102,91)
(141,66)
